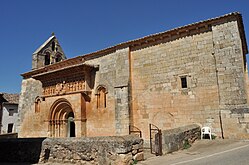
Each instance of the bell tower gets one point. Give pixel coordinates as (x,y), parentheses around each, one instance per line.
(48,53)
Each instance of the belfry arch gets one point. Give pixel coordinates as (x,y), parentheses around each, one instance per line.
(61,119)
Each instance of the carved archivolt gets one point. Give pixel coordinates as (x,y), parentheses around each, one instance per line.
(58,118)
(58,108)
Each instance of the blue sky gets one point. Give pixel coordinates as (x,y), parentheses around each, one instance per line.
(85,26)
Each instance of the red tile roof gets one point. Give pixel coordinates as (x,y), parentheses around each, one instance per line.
(11,98)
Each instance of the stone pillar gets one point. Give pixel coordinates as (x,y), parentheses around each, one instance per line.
(83,128)
(121,92)
(77,128)
(122,118)
(230,63)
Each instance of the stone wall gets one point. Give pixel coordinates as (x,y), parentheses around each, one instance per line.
(8,135)
(114,75)
(174,139)
(235,123)
(96,150)
(211,60)
(31,88)
(157,94)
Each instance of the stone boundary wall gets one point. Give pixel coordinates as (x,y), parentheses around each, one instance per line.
(174,139)
(15,150)
(118,150)
(8,135)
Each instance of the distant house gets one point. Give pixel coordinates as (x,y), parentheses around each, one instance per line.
(8,112)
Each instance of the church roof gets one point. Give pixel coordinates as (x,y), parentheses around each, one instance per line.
(153,38)
(44,44)
(10,98)
(182,29)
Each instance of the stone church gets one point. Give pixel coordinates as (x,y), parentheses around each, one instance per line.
(191,74)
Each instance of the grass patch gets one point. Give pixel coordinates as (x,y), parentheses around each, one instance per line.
(134,162)
(186,144)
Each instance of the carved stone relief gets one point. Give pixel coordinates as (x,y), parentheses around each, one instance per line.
(64,87)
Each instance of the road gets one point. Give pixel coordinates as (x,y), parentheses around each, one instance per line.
(206,152)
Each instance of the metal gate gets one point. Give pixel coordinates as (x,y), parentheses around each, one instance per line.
(135,130)
(155,140)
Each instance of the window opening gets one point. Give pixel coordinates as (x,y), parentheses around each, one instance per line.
(11,112)
(10,128)
(101,98)
(53,45)
(47,58)
(58,58)
(184,82)
(37,106)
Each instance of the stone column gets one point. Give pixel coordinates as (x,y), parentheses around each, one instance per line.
(121,92)
(122,118)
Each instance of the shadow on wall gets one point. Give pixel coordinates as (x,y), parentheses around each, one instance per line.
(23,151)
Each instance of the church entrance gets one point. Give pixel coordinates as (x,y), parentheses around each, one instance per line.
(61,119)
(70,125)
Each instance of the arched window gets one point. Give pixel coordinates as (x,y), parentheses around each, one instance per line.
(101,97)
(37,104)
(47,58)
(58,57)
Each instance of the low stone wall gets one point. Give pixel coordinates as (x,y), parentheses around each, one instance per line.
(175,139)
(8,135)
(14,150)
(120,150)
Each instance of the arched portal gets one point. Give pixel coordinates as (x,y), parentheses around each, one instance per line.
(61,119)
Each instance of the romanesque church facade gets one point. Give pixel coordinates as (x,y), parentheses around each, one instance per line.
(192,74)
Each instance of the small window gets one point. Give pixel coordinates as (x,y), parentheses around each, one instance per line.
(184,82)
(58,58)
(37,105)
(11,112)
(53,45)
(47,59)
(10,128)
(101,98)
